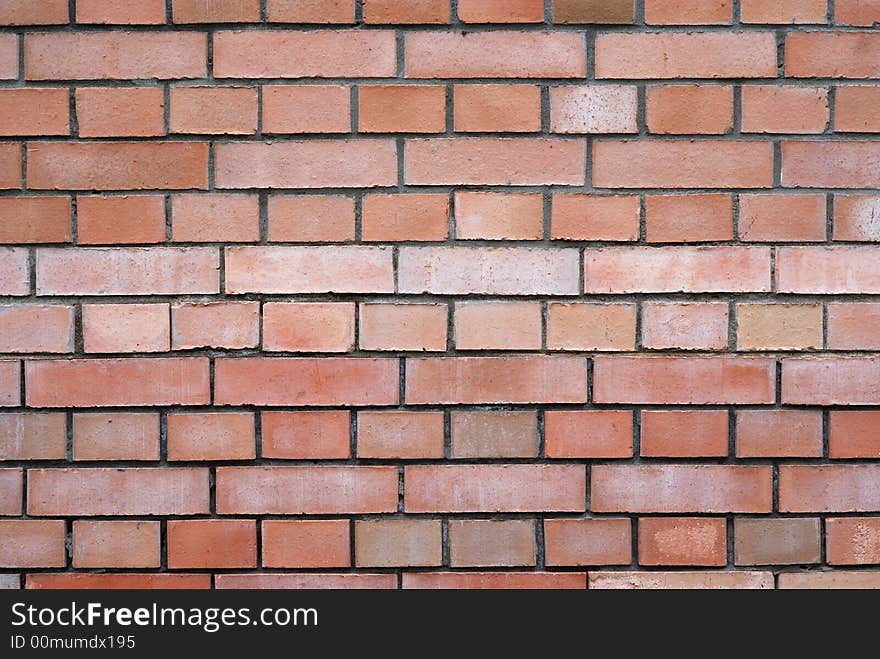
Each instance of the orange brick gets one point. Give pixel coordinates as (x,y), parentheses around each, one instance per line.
(126,327)
(119,581)
(306,543)
(214,110)
(784,11)
(402,108)
(595,217)
(120,219)
(493,434)
(580,326)
(593,109)
(309,326)
(602,11)
(853,540)
(847,164)
(853,434)
(830,54)
(215,218)
(232,325)
(310,11)
(491,543)
(682,541)
(418,327)
(856,12)
(498,216)
(576,542)
(35,220)
(690,109)
(36,328)
(498,326)
(588,434)
(414,11)
(212,543)
(116,436)
(686,326)
(9,57)
(215,11)
(32,543)
(145,12)
(857,109)
(308,435)
(311,218)
(772,218)
(400,435)
(778,434)
(828,488)
(501,11)
(120,112)
(684,433)
(306,109)
(854,326)
(396,217)
(497,108)
(778,326)
(30,436)
(775,109)
(34,112)
(397,542)
(211,436)
(689,218)
(688,12)
(26,12)
(116,544)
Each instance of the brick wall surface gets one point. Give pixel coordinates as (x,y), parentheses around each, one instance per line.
(411,294)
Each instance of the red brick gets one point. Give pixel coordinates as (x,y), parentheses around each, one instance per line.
(854,326)
(576,542)
(688,12)
(856,12)
(397,542)
(778,434)
(690,109)
(126,327)
(686,326)
(681,489)
(120,111)
(683,541)
(306,109)
(10,492)
(498,325)
(145,12)
(8,56)
(306,543)
(782,218)
(677,269)
(212,543)
(854,434)
(784,11)
(413,11)
(405,217)
(309,54)
(400,435)
(485,380)
(831,381)
(831,164)
(402,109)
(310,11)
(119,581)
(853,540)
(786,541)
(856,108)
(682,164)
(309,326)
(686,55)
(854,217)
(120,219)
(136,55)
(829,488)
(595,217)
(117,382)
(832,54)
(827,270)
(681,580)
(117,165)
(499,216)
(353,269)
(777,109)
(311,218)
(10,383)
(318,381)
(493,434)
(417,327)
(491,543)
(231,325)
(592,11)
(216,11)
(211,436)
(311,164)
(306,490)
(34,112)
(501,11)
(494,161)
(105,492)
(35,220)
(116,544)
(311,435)
(32,543)
(314,581)
(684,433)
(497,108)
(836,579)
(500,54)
(495,580)
(36,328)
(494,488)
(116,436)
(588,434)
(33,436)
(778,326)
(27,12)
(595,327)
(214,110)
(488,270)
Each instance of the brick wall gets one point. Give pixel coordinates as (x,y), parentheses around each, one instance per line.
(386,293)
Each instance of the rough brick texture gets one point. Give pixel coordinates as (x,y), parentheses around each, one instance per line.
(440,294)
